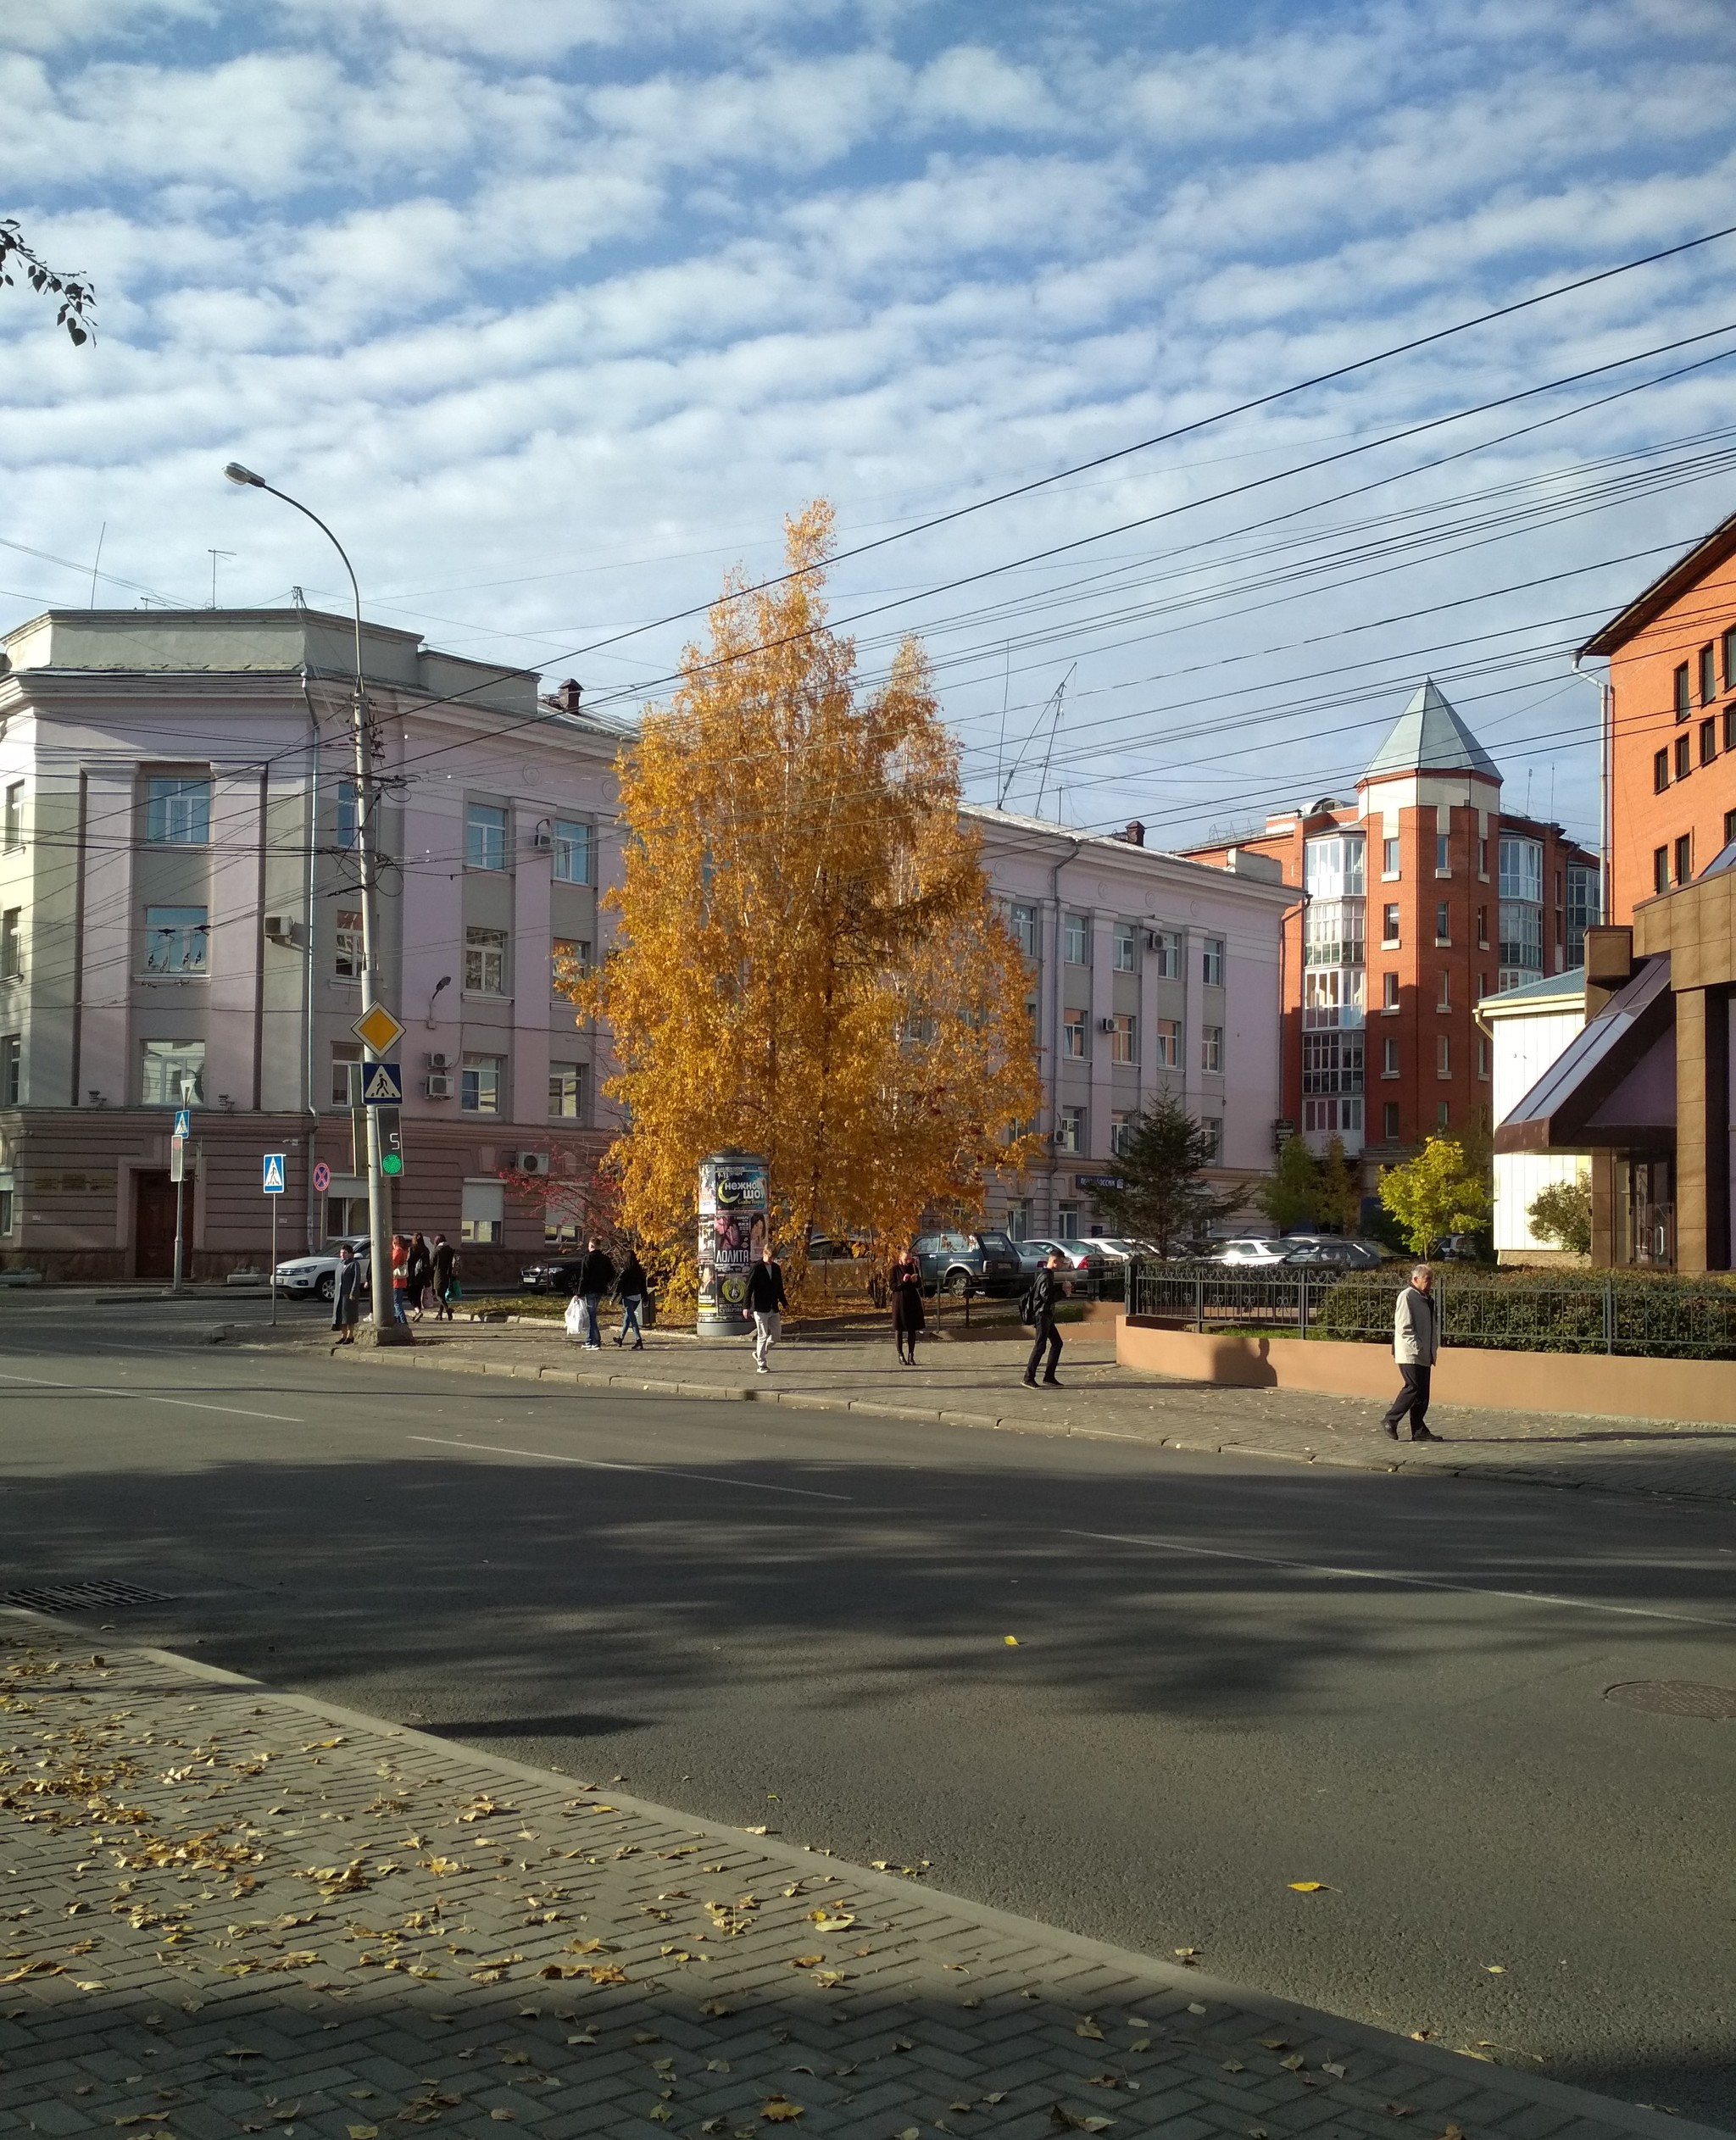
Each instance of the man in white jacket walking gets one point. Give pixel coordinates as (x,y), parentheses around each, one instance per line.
(1417,1342)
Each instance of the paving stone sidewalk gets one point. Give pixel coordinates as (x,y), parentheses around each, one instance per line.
(976,1383)
(230,1911)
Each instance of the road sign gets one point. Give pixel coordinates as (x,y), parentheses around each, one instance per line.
(322,1178)
(376,1028)
(391,1142)
(272,1185)
(177,1158)
(383,1085)
(183,1121)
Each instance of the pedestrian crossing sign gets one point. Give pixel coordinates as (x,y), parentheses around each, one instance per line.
(383,1085)
(183,1121)
(274,1174)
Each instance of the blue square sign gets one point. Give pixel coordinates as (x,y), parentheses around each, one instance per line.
(273,1186)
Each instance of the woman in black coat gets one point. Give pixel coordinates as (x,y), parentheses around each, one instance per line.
(347,1296)
(908,1320)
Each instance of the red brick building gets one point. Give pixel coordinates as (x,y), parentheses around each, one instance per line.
(1415,901)
(1673,725)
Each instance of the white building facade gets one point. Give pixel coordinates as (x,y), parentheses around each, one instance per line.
(1530,1026)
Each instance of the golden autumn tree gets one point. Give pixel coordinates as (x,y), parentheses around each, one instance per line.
(807,963)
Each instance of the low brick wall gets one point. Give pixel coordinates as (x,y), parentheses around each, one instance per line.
(1601,1385)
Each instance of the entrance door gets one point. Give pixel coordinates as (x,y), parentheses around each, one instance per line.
(154,1226)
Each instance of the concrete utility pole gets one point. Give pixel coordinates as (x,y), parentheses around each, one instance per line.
(387,1330)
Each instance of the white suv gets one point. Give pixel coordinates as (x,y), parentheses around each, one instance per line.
(318,1275)
(1252,1251)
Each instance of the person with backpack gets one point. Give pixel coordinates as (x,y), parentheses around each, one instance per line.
(1038,1309)
(630,1289)
(908,1319)
(765,1304)
(442,1263)
(596,1278)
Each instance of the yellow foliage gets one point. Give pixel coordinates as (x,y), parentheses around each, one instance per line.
(807,963)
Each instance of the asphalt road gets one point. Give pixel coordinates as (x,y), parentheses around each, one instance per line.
(1228,1675)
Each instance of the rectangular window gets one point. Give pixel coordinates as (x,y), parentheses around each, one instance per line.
(480,1079)
(1332,996)
(1444,1114)
(1444,1056)
(1389,858)
(1482,1057)
(346,1073)
(1073,1036)
(1681,693)
(1121,1133)
(11,1069)
(1067,1221)
(1444,1000)
(485,962)
(1022,921)
(1017,1222)
(482,1212)
(1730,728)
(11,944)
(1332,867)
(1389,925)
(350,815)
(1332,1062)
(1482,928)
(566,1091)
(1708,675)
(174,940)
(1389,1058)
(1661,868)
(1389,1119)
(1684,858)
(1166,946)
(1685,756)
(572,850)
(485,837)
(1211,1048)
(1072,1130)
(5,1211)
(1213,1125)
(559,1232)
(1076,940)
(1482,859)
(178,812)
(173,1073)
(1729,826)
(1389,992)
(569,960)
(1124,1038)
(1442,864)
(347,961)
(14,813)
(1169,1043)
(1659,770)
(1212,962)
(1708,742)
(1522,936)
(1443,924)
(1521,868)
(1332,934)
(1125,951)
(1583,890)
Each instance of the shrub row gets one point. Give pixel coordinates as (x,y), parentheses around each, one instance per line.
(1655,1316)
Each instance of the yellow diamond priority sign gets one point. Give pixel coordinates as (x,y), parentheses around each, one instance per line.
(376,1028)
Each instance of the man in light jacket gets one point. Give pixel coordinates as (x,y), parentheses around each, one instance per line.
(1417,1342)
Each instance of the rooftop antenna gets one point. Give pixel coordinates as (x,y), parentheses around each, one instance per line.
(101,533)
(1054,728)
(214,555)
(298,598)
(1052,704)
(1000,749)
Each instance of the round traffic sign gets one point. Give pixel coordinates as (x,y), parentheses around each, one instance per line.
(322,1178)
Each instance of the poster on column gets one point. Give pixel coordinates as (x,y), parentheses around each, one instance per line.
(733,1205)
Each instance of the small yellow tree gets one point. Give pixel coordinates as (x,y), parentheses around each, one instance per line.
(1441,1191)
(808,963)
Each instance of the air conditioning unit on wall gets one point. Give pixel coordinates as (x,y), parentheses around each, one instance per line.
(439,1062)
(533,1163)
(438,1087)
(279,928)
(1105,1025)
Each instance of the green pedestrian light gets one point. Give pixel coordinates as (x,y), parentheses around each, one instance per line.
(392,1162)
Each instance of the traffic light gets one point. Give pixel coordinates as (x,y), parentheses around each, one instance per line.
(391,1141)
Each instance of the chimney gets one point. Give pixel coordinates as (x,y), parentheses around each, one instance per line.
(1135,834)
(568,694)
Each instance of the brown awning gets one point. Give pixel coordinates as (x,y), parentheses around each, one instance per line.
(1615,1084)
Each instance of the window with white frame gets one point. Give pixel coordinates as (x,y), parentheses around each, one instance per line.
(1332,867)
(1074,1028)
(1522,867)
(482,1212)
(1332,996)
(11,944)
(1168,1044)
(1124,1038)
(572,850)
(172,1073)
(175,939)
(346,1073)
(1389,1058)
(1212,962)
(485,962)
(566,1091)
(1017,1221)
(1067,1221)
(1125,948)
(1389,858)
(1333,935)
(1213,1124)
(14,813)
(11,1069)
(1121,1133)
(1211,1048)
(1076,937)
(480,1079)
(1021,919)
(178,811)
(485,835)
(1072,1130)
(346,960)
(1167,950)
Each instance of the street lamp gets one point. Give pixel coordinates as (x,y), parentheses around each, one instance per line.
(387,1331)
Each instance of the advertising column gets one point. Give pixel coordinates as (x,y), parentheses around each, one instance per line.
(733,1205)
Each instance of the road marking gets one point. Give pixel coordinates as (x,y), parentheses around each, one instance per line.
(652,1471)
(145,1397)
(1414,1583)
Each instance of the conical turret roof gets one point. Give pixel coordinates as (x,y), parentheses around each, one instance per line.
(1429,737)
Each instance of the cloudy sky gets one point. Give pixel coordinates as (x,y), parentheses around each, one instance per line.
(556,307)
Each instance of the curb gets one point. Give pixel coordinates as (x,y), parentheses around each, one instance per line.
(1536,2088)
(999,1423)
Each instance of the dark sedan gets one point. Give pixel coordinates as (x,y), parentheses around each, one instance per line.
(560,1276)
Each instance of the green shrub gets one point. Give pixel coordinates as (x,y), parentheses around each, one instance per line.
(1656,1315)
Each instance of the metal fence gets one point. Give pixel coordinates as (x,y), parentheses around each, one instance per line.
(1614,1313)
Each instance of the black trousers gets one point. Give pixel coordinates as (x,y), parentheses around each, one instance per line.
(1412,1399)
(1047,1335)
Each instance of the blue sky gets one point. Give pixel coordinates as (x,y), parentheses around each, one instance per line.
(556,307)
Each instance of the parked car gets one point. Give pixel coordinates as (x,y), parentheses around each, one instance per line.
(1338,1255)
(560,1275)
(1460,1248)
(1120,1250)
(1080,1259)
(317,1275)
(969,1263)
(1250,1250)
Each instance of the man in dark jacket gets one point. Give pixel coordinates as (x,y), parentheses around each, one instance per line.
(1045,1290)
(596,1276)
(765,1304)
(443,1263)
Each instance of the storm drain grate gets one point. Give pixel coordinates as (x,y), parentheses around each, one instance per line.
(85,1596)
(1675,1698)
